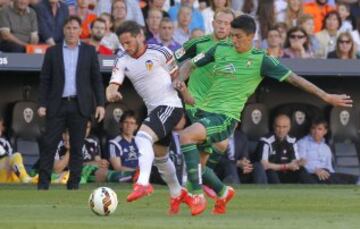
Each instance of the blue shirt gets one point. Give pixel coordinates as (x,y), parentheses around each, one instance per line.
(172,45)
(128,152)
(317,154)
(71,56)
(197,20)
(51,26)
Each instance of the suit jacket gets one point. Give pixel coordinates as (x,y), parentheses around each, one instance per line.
(89,82)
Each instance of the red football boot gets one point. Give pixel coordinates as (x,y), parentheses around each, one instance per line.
(139,191)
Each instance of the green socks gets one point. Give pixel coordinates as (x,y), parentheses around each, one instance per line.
(193,167)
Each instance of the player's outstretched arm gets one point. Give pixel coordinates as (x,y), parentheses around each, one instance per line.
(342,100)
(185,70)
(112,93)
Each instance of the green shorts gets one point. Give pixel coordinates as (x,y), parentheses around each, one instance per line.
(218,127)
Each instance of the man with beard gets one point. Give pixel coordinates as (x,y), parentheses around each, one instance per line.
(98,29)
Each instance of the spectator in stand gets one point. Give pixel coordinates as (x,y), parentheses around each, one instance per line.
(249,7)
(51,16)
(307,23)
(72,6)
(328,35)
(87,17)
(208,13)
(344,12)
(196,33)
(4,3)
(281,7)
(166,35)
(297,44)
(282,28)
(317,156)
(294,12)
(153,23)
(274,43)
(110,40)
(118,13)
(182,32)
(318,9)
(18,26)
(279,155)
(265,18)
(345,48)
(355,12)
(356,34)
(123,151)
(197,20)
(98,29)
(157,4)
(134,12)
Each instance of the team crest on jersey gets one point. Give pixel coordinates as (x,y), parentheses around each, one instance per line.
(249,63)
(149,65)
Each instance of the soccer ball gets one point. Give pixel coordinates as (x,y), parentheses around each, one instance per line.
(103,201)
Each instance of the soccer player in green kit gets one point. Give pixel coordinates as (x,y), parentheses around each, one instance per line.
(198,86)
(237,70)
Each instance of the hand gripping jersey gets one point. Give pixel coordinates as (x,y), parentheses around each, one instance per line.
(150,75)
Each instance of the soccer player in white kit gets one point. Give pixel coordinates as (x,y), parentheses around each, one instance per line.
(149,68)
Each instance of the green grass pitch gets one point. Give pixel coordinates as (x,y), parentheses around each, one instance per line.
(278,207)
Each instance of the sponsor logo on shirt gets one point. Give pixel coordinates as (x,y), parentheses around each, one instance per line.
(179,53)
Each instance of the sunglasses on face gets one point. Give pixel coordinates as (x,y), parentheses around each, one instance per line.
(294,36)
(344,41)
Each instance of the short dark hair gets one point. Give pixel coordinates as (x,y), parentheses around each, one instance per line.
(129,27)
(319,121)
(245,23)
(72,18)
(128,114)
(97,20)
(337,15)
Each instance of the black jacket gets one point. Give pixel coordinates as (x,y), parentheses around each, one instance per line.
(89,82)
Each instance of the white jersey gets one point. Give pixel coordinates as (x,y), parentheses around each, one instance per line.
(150,75)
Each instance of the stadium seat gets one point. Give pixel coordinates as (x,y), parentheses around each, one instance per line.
(113,113)
(36,49)
(26,131)
(301,116)
(254,123)
(344,126)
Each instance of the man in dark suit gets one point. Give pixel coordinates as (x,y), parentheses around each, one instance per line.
(70,80)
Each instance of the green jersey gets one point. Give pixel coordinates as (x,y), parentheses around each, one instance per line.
(201,78)
(235,77)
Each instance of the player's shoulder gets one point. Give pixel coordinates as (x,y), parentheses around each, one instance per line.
(256,51)
(121,54)
(198,40)
(160,50)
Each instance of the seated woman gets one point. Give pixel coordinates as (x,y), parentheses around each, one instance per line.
(297,44)
(345,48)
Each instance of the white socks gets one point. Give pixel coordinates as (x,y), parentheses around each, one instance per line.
(146,156)
(168,173)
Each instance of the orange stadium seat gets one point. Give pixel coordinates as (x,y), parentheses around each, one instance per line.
(36,49)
